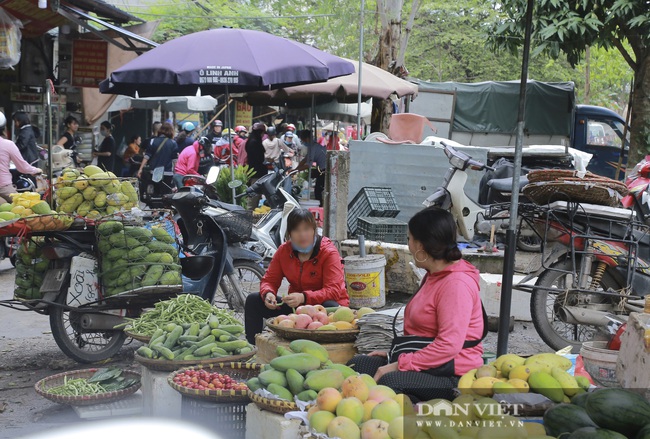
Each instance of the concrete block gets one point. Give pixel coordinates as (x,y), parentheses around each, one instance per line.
(159,399)
(633,365)
(262,424)
(267,343)
(490,285)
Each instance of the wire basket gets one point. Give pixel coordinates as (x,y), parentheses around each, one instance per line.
(237,225)
(371,201)
(138,252)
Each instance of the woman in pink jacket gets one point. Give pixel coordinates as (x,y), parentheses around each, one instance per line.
(9,153)
(189,160)
(444,322)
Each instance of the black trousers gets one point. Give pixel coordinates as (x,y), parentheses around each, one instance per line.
(255,312)
(418,386)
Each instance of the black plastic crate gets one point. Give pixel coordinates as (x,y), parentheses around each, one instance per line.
(383,229)
(371,201)
(227,420)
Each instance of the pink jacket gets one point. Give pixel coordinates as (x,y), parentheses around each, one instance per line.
(188,161)
(447,307)
(9,153)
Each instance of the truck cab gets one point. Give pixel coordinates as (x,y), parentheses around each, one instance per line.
(599,132)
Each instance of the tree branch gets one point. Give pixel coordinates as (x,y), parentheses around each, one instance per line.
(628,58)
(406,32)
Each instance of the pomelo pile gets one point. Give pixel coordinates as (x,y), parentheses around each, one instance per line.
(317,318)
(93,193)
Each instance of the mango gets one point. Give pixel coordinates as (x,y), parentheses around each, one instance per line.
(521,385)
(375,429)
(544,384)
(7,216)
(381,393)
(98,179)
(486,371)
(154,273)
(171,278)
(85,208)
(280,392)
(41,208)
(320,420)
(112,188)
(140,233)
(368,406)
(326,328)
(347,371)
(351,408)
(321,379)
(91,170)
(116,199)
(500,360)
(405,404)
(483,386)
(162,235)
(520,373)
(370,381)
(90,193)
(304,346)
(71,204)
(343,428)
(81,183)
(303,363)
(254,384)
(355,386)
(343,314)
(502,387)
(100,199)
(295,380)
(387,410)
(342,326)
(127,189)
(272,377)
(328,398)
(307,395)
(6,207)
(363,311)
(552,360)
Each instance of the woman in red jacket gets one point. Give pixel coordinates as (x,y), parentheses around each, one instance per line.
(445,314)
(313,267)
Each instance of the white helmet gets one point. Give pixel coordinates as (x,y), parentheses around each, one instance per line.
(3,120)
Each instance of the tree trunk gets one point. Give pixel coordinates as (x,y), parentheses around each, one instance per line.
(640,119)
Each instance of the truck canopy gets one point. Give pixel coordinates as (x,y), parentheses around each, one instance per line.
(492,107)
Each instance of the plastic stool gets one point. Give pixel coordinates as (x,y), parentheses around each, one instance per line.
(318,215)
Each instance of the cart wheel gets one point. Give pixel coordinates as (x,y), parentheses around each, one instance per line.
(81,346)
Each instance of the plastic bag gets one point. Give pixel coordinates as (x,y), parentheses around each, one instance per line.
(10,36)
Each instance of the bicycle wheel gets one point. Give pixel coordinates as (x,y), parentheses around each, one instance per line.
(247,277)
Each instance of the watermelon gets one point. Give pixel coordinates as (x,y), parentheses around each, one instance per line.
(566,418)
(595,433)
(644,433)
(580,400)
(619,410)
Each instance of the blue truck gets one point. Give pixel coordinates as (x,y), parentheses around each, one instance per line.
(485,114)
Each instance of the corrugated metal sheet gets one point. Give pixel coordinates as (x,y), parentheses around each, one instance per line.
(413,172)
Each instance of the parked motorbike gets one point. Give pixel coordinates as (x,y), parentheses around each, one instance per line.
(638,183)
(471,217)
(595,271)
(87,333)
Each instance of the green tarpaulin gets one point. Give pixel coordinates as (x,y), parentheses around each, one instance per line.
(492,107)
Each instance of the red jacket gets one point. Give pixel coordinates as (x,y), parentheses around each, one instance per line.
(321,278)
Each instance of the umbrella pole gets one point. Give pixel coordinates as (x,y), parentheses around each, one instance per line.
(232,165)
(50,135)
(313,124)
(360,68)
(511,233)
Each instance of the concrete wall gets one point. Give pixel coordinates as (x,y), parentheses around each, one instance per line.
(413,172)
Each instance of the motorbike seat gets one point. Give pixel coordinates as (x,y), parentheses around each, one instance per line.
(505,184)
(225,206)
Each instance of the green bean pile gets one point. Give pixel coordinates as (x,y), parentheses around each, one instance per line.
(77,387)
(183,309)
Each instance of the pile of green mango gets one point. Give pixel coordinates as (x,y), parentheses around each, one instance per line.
(30,269)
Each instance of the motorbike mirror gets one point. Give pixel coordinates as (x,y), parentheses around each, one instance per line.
(235,184)
(213,175)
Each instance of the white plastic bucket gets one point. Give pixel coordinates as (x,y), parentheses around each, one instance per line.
(306,204)
(365,279)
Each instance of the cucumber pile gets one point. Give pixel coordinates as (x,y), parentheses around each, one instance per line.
(134,257)
(196,341)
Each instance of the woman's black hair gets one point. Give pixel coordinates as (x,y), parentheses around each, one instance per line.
(299,216)
(106,124)
(436,229)
(134,138)
(22,118)
(68,120)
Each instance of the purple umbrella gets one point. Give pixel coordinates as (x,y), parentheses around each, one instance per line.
(224,61)
(215,60)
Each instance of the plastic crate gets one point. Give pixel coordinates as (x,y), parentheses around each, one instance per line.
(383,229)
(371,201)
(226,420)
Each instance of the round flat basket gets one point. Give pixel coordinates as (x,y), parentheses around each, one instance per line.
(43,385)
(539,175)
(593,193)
(238,371)
(170,366)
(339,336)
(139,337)
(279,406)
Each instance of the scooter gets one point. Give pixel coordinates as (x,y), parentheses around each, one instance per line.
(595,271)
(638,183)
(471,217)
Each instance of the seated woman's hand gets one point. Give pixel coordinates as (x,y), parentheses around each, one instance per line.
(294,300)
(378,354)
(270,301)
(392,367)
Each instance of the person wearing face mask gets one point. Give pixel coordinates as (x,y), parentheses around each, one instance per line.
(106,152)
(311,264)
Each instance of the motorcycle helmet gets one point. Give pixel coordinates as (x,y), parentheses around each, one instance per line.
(291,127)
(226,132)
(270,131)
(205,146)
(188,126)
(240,128)
(259,126)
(22,184)
(3,120)
(217,123)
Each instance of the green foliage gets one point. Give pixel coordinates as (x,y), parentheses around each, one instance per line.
(243,173)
